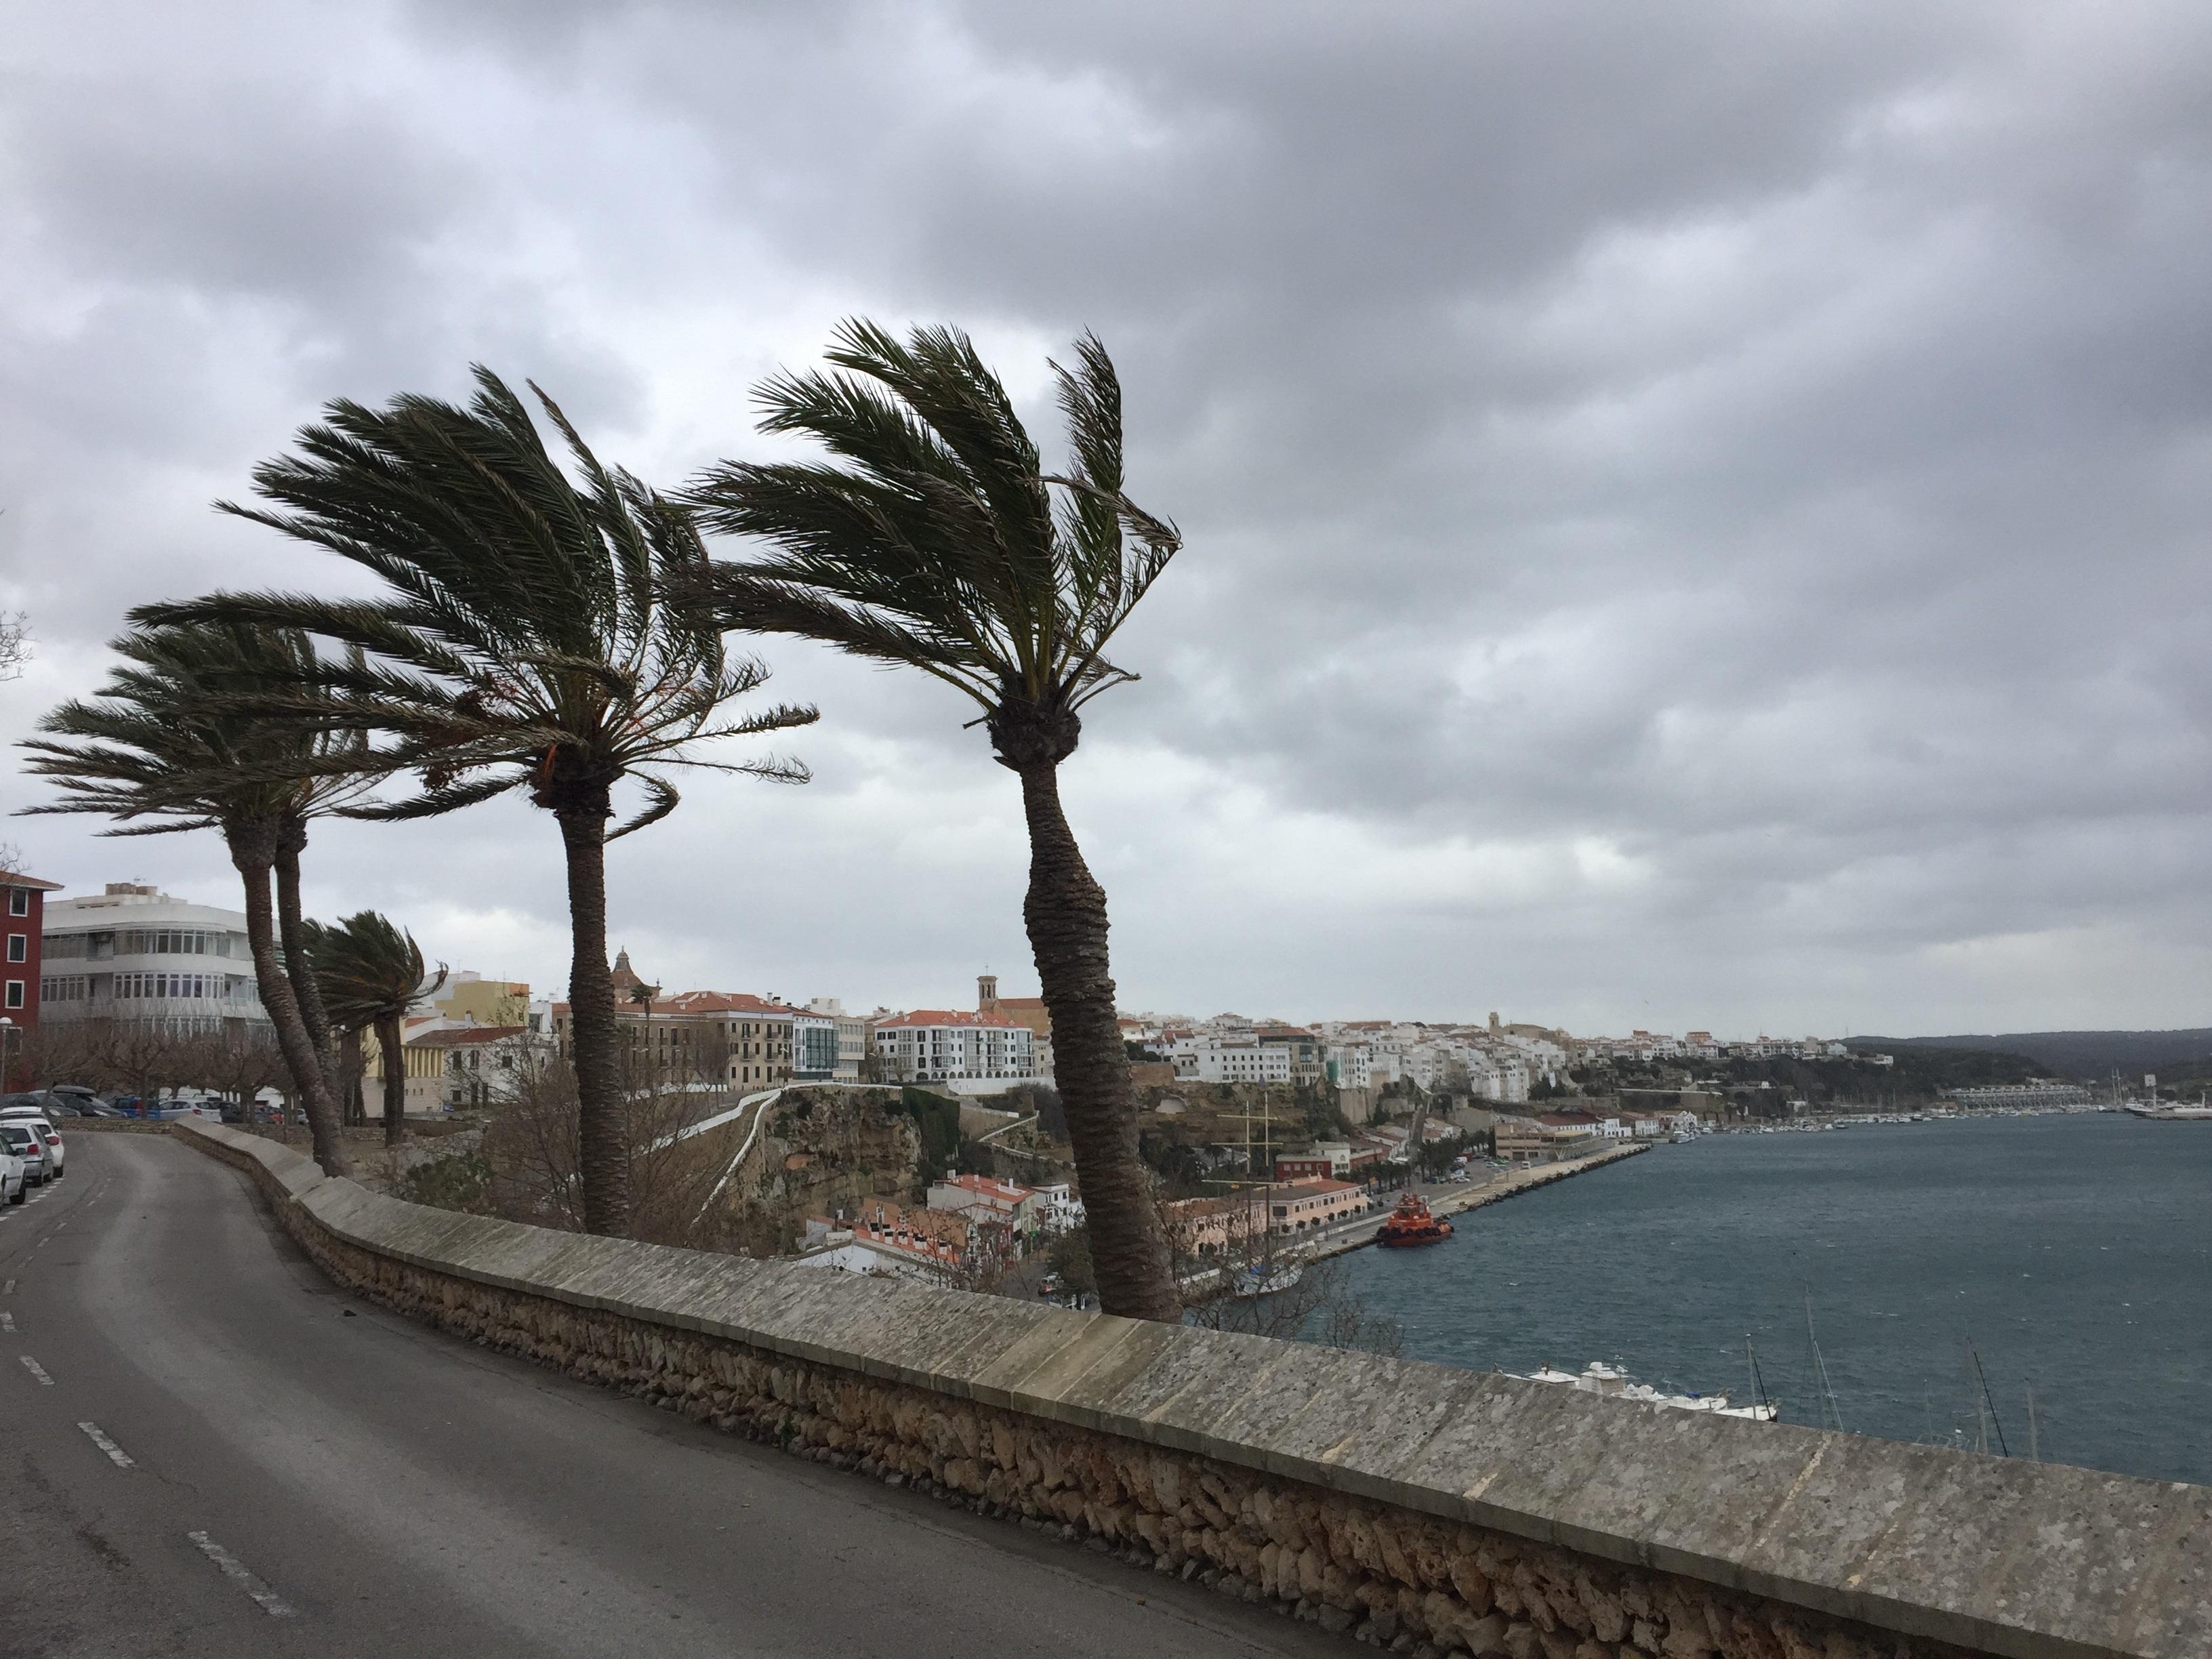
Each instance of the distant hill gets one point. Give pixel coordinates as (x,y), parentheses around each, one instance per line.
(2078,1054)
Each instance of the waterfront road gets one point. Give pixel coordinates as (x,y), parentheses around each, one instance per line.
(207,1448)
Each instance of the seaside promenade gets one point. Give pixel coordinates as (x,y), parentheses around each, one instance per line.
(1446,1198)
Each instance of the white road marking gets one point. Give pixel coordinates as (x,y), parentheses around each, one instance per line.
(37,1370)
(120,1458)
(235,1570)
(9,1289)
(7,1321)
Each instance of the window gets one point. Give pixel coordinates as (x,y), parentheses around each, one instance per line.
(14,993)
(18,901)
(19,947)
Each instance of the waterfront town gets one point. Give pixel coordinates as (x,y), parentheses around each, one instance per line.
(1264,1131)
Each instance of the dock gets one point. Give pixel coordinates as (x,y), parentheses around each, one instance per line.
(1445,1198)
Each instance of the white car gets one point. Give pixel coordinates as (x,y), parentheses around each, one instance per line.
(38,1125)
(23,1143)
(12,1169)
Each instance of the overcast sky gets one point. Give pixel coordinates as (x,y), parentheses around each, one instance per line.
(1696,516)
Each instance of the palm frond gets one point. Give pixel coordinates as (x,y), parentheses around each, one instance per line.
(933,537)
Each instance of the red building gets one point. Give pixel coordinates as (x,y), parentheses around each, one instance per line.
(22,922)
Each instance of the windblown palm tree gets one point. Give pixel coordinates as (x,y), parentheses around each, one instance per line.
(372,972)
(936,539)
(165,749)
(524,643)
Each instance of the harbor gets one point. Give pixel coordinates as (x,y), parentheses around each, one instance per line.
(1446,1199)
(2038,1285)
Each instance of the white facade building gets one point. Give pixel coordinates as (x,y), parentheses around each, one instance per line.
(1230,1060)
(135,953)
(976,1054)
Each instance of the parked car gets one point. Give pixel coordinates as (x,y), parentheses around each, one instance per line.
(25,1144)
(37,1121)
(12,1172)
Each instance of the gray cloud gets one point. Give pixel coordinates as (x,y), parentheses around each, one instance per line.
(1694,517)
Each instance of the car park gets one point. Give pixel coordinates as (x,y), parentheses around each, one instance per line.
(26,1145)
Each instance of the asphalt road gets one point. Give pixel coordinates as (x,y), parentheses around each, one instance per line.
(273,1465)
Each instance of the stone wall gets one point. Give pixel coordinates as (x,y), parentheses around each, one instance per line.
(1416,1507)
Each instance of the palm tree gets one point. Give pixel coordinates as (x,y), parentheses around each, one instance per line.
(524,643)
(641,997)
(941,544)
(373,973)
(164,743)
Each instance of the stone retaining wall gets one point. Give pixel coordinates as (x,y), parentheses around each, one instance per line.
(1417,1507)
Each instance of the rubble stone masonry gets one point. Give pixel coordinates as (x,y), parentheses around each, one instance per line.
(1418,1507)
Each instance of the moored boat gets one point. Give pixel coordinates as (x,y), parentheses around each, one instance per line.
(1410,1224)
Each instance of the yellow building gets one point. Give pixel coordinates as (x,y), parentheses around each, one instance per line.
(467,999)
(426,1071)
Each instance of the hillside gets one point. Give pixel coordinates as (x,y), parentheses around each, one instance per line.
(2075,1053)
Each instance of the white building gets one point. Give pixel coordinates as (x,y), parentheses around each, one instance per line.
(135,953)
(1230,1060)
(851,1031)
(976,1054)
(1348,1063)
(980,1198)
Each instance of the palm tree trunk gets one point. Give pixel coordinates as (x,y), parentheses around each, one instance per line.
(351,1070)
(253,850)
(291,841)
(603,1150)
(395,1078)
(1066,912)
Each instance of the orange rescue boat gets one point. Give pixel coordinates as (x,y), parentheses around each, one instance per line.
(1410,1224)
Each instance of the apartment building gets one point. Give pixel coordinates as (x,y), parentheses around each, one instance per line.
(974,1053)
(1217,1059)
(133,952)
(22,926)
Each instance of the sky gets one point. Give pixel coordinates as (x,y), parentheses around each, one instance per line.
(1694,516)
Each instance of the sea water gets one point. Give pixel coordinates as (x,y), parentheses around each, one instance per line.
(2073,1253)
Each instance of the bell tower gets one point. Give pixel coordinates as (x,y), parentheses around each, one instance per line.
(986,994)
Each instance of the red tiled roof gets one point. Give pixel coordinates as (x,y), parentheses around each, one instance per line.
(461,1037)
(723,1002)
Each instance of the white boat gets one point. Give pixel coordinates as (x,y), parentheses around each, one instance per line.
(1598,1377)
(2172,1113)
(1266,1279)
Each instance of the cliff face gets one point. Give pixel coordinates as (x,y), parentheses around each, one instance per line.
(826,1149)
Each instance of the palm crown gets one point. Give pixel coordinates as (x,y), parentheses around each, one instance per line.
(940,541)
(165,747)
(370,969)
(525,641)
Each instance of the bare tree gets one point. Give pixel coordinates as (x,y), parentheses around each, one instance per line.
(14,643)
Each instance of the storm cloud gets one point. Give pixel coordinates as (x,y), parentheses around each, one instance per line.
(1695,517)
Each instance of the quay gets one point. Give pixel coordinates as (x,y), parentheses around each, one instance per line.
(1446,1199)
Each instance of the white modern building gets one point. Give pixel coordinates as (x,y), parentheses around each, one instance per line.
(135,953)
(974,1053)
(1230,1060)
